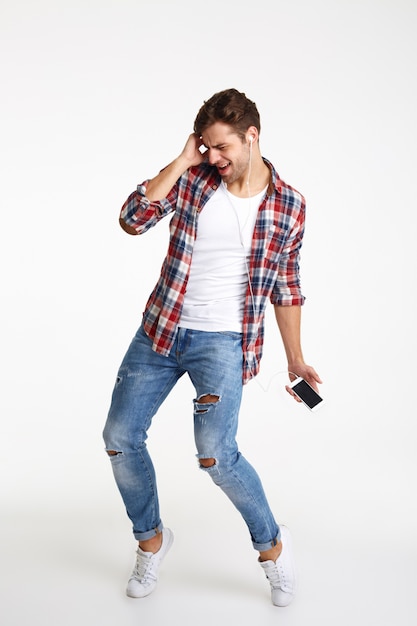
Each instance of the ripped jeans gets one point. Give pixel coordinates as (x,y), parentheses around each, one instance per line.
(213,361)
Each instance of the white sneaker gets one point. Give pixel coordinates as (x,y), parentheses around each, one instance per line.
(145,573)
(281,573)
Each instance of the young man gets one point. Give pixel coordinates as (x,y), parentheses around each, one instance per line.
(235,234)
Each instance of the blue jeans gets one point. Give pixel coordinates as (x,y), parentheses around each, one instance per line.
(213,361)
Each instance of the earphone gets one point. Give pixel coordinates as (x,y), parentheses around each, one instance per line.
(250,161)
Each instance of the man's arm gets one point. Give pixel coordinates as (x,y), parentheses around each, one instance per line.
(159,186)
(289,324)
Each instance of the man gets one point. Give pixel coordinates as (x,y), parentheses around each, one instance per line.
(235,236)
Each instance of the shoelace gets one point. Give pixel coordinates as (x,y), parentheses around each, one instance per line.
(143,568)
(276,576)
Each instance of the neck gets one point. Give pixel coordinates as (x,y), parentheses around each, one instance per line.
(252,182)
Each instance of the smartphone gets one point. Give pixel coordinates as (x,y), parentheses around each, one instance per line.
(307,394)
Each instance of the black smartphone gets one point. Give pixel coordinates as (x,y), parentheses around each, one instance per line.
(307,394)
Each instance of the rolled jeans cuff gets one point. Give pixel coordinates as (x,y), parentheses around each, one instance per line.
(148,534)
(263,547)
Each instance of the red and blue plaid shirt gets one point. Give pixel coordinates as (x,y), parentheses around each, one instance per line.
(274,259)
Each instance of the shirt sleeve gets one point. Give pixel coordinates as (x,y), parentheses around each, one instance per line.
(287,288)
(140,213)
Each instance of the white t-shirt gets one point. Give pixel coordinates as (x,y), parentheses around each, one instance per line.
(218,278)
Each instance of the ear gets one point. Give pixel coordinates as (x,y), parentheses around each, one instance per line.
(252,135)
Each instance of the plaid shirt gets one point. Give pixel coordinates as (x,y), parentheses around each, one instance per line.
(274,260)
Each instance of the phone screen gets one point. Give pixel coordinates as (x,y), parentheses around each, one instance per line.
(307,394)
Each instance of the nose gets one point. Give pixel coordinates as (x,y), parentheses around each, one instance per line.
(213,156)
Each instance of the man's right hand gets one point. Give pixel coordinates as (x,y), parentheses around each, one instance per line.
(160,186)
(191,152)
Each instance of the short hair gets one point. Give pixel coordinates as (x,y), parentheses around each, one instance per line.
(230,107)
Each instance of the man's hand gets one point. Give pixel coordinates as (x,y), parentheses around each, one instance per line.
(159,186)
(305,371)
(191,152)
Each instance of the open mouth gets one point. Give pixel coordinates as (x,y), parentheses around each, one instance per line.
(222,168)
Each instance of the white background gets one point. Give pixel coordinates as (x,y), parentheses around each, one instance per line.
(99,95)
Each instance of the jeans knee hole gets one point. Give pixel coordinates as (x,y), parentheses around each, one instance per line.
(208,398)
(210,463)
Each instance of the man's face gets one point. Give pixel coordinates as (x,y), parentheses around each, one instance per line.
(226,151)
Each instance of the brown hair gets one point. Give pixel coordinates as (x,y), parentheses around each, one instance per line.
(229,107)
